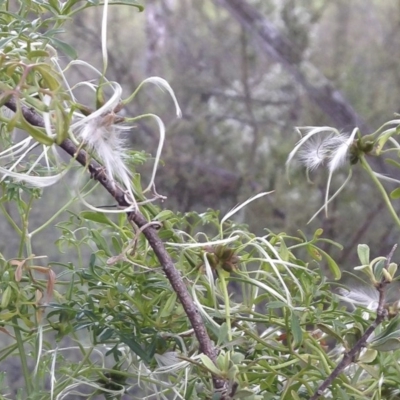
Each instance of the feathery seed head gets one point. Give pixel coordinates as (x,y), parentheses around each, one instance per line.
(332,151)
(104,137)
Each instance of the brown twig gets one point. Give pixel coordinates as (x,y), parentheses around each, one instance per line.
(350,356)
(97,172)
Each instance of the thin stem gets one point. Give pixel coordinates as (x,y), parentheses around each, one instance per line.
(380,187)
(25,241)
(24,231)
(61,210)
(221,277)
(10,220)
(22,356)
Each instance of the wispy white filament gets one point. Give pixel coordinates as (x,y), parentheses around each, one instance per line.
(312,131)
(317,150)
(314,150)
(314,153)
(340,146)
(364,296)
(102,136)
(33,181)
(162,84)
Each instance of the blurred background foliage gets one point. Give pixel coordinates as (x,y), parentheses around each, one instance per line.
(240,106)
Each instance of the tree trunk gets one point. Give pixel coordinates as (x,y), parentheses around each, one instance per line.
(319,89)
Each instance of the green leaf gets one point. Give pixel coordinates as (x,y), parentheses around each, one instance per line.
(70,291)
(395,194)
(314,252)
(6,40)
(276,304)
(49,77)
(67,5)
(62,124)
(64,47)
(244,394)
(105,334)
(383,138)
(222,334)
(389,343)
(209,365)
(389,339)
(283,250)
(363,253)
(378,268)
(96,217)
(37,53)
(393,326)
(38,134)
(294,395)
(368,357)
(116,244)
(6,297)
(296,330)
(393,162)
(318,233)
(334,268)
(133,3)
(166,234)
(55,5)
(165,215)
(13,121)
(134,346)
(169,306)
(329,331)
(92,260)
(190,390)
(101,244)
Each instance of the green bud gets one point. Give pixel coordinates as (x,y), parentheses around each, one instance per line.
(6,277)
(5,299)
(392,269)
(386,274)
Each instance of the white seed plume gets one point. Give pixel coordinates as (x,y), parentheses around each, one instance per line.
(317,151)
(314,151)
(103,137)
(364,296)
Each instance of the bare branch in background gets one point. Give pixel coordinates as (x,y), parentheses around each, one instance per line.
(317,86)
